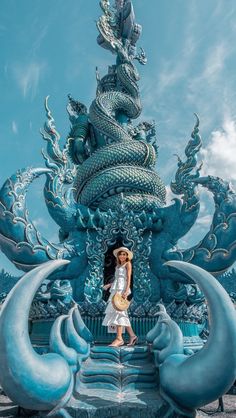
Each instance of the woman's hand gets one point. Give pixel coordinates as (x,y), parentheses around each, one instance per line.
(107,286)
(125,294)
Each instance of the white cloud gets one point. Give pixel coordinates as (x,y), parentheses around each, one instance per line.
(174,68)
(40,38)
(219,156)
(40,222)
(28,77)
(169,195)
(173,72)
(202,225)
(208,89)
(215,61)
(197,232)
(46,229)
(14,127)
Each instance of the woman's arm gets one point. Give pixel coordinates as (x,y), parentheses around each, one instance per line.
(129,272)
(107,286)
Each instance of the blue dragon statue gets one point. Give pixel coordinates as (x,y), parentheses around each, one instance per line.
(176,368)
(102,190)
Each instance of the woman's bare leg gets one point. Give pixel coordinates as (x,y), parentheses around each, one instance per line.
(119,339)
(130,331)
(119,332)
(132,336)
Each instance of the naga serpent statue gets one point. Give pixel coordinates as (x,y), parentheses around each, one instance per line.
(102,190)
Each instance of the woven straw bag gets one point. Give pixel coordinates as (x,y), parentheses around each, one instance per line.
(119,303)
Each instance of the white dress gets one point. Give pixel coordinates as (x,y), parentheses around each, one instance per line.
(114,317)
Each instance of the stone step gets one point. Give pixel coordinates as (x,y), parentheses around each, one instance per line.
(100,352)
(114,385)
(142,363)
(134,353)
(82,385)
(112,375)
(136,366)
(94,374)
(103,403)
(119,354)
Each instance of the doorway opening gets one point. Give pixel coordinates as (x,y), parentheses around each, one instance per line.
(109,268)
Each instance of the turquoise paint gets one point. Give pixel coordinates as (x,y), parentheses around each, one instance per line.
(102,190)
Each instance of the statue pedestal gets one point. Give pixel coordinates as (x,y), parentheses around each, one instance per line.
(119,382)
(40,330)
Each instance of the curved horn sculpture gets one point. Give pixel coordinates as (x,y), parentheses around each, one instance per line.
(175,336)
(29,379)
(73,339)
(182,218)
(217,250)
(152,334)
(80,326)
(194,381)
(58,346)
(19,239)
(69,343)
(58,189)
(179,217)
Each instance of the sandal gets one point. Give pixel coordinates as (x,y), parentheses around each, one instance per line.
(118,342)
(133,340)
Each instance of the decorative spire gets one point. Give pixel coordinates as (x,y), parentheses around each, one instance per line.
(119,32)
(119,4)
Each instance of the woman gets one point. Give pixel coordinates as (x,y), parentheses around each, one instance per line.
(121,284)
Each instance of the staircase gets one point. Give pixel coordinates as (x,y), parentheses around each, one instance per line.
(118,383)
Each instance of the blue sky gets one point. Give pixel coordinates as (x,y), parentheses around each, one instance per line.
(49,48)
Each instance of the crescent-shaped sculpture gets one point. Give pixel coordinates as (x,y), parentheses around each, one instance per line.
(196,380)
(29,379)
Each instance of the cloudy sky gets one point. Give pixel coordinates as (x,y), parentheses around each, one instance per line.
(49,48)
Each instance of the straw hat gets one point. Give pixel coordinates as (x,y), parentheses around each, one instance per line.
(129,253)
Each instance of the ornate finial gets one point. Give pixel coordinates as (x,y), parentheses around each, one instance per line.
(119,32)
(185,177)
(105,6)
(196,126)
(50,134)
(74,107)
(119,4)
